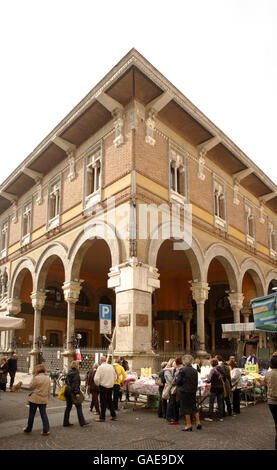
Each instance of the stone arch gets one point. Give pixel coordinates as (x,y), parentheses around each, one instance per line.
(95,229)
(55,250)
(270,276)
(194,252)
(255,272)
(26,264)
(229,262)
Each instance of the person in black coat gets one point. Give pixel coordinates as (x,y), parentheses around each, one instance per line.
(73,382)
(12,368)
(187,384)
(3,374)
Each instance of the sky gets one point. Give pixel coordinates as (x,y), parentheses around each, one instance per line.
(221,54)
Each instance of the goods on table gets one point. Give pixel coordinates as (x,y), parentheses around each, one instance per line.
(131,377)
(144,386)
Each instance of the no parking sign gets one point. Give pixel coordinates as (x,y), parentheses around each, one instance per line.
(105,316)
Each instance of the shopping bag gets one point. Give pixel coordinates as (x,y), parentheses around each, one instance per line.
(61,395)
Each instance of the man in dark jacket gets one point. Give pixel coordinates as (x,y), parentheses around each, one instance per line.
(216,379)
(12,368)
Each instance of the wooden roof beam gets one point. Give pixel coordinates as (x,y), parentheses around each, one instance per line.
(240,175)
(267,197)
(109,103)
(8,196)
(160,102)
(68,147)
(35,175)
(207,145)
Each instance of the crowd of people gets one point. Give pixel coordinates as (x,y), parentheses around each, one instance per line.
(178,383)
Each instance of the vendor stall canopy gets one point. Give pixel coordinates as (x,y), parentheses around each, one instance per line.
(11,323)
(265,313)
(232,330)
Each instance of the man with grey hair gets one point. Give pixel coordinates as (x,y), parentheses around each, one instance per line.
(105,378)
(187,383)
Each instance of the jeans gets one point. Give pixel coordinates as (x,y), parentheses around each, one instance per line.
(106,401)
(273,409)
(162,404)
(172,412)
(32,413)
(236,401)
(220,404)
(116,390)
(229,406)
(12,375)
(80,415)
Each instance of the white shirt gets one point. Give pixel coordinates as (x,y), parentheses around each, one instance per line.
(105,375)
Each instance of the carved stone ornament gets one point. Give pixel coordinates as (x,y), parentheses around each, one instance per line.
(38,300)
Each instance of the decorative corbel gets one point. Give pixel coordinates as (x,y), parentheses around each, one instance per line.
(118,125)
(150,127)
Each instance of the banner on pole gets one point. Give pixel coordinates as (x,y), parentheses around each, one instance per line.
(265,313)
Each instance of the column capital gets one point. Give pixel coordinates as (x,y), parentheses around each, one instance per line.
(38,300)
(133,274)
(14,306)
(236,300)
(72,290)
(200,291)
(186,314)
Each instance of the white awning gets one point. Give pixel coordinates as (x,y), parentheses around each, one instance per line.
(238,327)
(11,323)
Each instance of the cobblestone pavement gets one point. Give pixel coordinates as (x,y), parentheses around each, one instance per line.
(138,429)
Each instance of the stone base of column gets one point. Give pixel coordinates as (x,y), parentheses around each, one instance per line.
(138,361)
(33,360)
(202,354)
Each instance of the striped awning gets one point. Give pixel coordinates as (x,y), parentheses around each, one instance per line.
(265,313)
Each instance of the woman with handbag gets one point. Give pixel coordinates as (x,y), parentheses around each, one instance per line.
(3,374)
(41,388)
(172,413)
(93,389)
(74,395)
(236,385)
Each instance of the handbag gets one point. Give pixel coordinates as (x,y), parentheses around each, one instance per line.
(61,395)
(77,400)
(225,394)
(166,391)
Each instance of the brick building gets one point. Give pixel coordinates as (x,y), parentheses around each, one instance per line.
(97,214)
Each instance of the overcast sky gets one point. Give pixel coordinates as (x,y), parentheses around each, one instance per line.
(221,54)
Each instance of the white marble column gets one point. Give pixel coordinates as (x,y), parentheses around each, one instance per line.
(200,292)
(13,307)
(236,303)
(134,283)
(71,291)
(38,301)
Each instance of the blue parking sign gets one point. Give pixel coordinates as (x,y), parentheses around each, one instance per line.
(105,312)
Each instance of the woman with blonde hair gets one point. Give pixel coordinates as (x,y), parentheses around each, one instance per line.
(41,388)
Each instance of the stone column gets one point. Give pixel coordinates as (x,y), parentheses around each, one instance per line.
(246,312)
(187,316)
(200,292)
(212,323)
(71,291)
(13,307)
(38,301)
(236,302)
(134,283)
